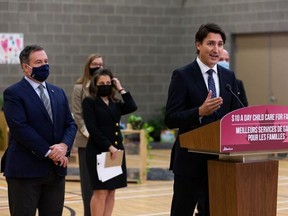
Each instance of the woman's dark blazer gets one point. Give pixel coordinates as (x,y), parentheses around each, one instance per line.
(103,125)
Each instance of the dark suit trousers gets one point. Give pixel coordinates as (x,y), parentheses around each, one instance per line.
(187,191)
(27,194)
(86,188)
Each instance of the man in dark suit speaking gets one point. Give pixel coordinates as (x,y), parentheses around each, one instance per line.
(42,132)
(197,96)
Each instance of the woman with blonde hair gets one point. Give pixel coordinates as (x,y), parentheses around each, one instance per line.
(80,91)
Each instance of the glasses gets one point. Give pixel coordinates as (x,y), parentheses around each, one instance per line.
(93,65)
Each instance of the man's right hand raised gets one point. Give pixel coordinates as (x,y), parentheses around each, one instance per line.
(210,105)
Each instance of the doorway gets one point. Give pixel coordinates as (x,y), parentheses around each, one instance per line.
(260,61)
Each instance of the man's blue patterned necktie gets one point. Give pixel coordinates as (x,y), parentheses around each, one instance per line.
(211,83)
(46,101)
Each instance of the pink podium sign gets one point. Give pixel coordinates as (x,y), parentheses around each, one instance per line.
(255,128)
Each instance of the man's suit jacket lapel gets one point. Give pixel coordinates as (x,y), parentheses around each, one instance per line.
(30,92)
(201,82)
(199,79)
(224,93)
(222,82)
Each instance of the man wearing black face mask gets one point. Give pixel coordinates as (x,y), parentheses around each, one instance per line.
(80,91)
(42,132)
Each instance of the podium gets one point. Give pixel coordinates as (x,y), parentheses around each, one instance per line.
(243,181)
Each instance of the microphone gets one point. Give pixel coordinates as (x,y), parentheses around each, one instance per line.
(229,88)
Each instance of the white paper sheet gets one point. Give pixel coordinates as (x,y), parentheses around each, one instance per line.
(106,173)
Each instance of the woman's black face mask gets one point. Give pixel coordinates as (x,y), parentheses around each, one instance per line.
(104,90)
(92,71)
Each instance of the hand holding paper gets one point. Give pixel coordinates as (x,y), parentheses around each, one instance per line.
(108,168)
(117,161)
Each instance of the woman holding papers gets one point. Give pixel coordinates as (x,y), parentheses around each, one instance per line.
(102,111)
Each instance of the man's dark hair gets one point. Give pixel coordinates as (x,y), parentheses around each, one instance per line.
(25,53)
(205,29)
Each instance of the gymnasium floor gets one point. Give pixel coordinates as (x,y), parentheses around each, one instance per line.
(152,198)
